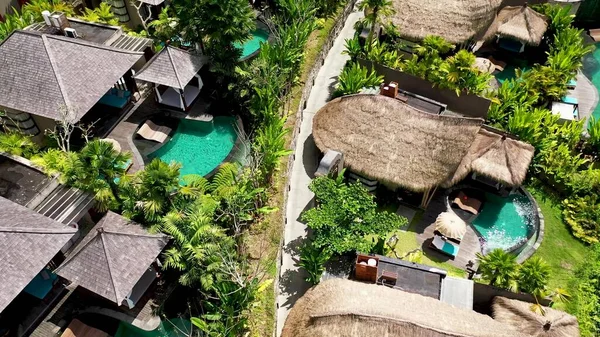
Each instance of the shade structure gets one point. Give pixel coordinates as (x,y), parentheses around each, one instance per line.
(520,23)
(554,323)
(114,143)
(484,65)
(450,225)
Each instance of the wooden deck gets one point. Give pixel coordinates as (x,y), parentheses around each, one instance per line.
(586,94)
(469,246)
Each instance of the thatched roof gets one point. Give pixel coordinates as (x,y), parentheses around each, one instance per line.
(455,20)
(501,158)
(385,139)
(520,23)
(347,308)
(553,323)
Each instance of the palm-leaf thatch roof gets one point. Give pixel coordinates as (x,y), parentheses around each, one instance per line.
(455,20)
(385,139)
(553,323)
(520,23)
(347,308)
(496,156)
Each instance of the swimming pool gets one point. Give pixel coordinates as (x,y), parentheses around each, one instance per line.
(252,45)
(509,72)
(176,327)
(199,146)
(591,68)
(504,222)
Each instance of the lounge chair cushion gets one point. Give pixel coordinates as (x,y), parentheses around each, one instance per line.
(154,132)
(466,203)
(570,99)
(444,246)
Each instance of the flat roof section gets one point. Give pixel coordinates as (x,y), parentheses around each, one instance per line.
(413,277)
(457,292)
(20,183)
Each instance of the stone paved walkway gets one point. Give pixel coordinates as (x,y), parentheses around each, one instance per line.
(292,285)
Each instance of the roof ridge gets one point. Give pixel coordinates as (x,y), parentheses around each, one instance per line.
(150,236)
(181,86)
(78,249)
(31,230)
(54,65)
(112,281)
(92,44)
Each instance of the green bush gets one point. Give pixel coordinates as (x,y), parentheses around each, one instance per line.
(354,77)
(313,261)
(345,215)
(582,214)
(585,303)
(17,144)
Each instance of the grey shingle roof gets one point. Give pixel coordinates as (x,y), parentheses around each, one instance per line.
(172,67)
(40,73)
(28,241)
(112,258)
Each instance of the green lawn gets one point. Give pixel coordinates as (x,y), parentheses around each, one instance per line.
(559,247)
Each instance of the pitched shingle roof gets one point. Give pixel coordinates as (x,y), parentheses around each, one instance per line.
(172,67)
(28,241)
(41,73)
(112,257)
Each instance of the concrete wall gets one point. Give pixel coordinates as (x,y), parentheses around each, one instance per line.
(43,124)
(466,104)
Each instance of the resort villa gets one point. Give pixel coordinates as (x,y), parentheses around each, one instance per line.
(67,69)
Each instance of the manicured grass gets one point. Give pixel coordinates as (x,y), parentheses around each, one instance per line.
(407,242)
(559,248)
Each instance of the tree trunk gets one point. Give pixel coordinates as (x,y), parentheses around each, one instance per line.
(372,30)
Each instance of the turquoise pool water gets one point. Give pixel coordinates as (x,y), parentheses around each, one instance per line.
(592,69)
(504,222)
(253,44)
(199,146)
(509,72)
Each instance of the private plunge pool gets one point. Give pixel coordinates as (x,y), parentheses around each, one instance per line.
(503,222)
(251,47)
(199,146)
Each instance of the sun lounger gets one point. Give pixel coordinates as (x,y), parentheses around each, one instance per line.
(499,65)
(154,132)
(595,34)
(440,244)
(572,84)
(466,203)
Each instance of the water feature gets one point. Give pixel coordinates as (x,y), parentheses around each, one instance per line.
(199,146)
(253,44)
(504,222)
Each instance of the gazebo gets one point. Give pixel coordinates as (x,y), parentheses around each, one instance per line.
(390,141)
(115,260)
(517,26)
(553,323)
(174,74)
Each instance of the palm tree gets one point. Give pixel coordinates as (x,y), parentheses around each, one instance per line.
(148,194)
(199,243)
(499,268)
(102,162)
(533,276)
(374,10)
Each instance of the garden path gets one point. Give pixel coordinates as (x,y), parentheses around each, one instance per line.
(291,284)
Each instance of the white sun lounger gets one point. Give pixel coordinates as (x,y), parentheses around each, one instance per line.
(154,132)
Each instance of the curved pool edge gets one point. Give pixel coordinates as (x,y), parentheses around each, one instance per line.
(259,26)
(521,250)
(232,152)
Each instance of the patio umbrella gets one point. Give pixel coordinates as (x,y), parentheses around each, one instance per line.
(114,143)
(450,225)
(484,65)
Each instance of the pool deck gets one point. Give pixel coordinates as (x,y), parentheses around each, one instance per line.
(586,94)
(144,109)
(469,246)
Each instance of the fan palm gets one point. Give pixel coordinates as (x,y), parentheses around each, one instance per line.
(375,9)
(17,144)
(533,276)
(499,268)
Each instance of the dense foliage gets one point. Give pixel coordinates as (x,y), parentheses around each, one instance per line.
(586,300)
(354,78)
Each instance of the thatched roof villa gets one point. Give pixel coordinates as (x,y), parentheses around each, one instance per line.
(340,307)
(519,23)
(387,140)
(457,21)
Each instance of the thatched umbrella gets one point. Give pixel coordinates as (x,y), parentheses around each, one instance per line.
(554,323)
(520,23)
(338,307)
(484,65)
(114,143)
(457,21)
(450,225)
